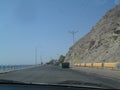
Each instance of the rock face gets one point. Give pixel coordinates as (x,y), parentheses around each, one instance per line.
(102,43)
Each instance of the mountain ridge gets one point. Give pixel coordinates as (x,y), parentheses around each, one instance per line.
(102,43)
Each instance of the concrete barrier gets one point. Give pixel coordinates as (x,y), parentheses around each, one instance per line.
(115,65)
(82,64)
(98,65)
(88,64)
(77,64)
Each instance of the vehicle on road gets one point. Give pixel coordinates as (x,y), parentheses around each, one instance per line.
(66,65)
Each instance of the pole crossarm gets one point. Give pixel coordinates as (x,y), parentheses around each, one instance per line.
(73,33)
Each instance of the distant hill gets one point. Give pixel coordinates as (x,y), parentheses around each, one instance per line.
(102,43)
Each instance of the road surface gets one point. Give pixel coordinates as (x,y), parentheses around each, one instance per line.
(54,74)
(104,72)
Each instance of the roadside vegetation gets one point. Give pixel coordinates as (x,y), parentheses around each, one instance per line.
(57,62)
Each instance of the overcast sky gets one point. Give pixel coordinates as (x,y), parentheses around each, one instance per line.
(45,24)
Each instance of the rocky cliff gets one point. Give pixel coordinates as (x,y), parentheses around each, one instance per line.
(102,43)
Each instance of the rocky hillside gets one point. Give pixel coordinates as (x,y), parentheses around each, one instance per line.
(102,43)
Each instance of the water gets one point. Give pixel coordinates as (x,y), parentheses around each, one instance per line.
(13,67)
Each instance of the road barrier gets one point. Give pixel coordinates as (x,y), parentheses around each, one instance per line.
(88,64)
(98,65)
(82,64)
(114,65)
(77,64)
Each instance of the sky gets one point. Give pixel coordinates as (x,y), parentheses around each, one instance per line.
(45,25)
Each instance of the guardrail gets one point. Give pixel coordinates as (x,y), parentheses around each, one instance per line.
(4,68)
(114,65)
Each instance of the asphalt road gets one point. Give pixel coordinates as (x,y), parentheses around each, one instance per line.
(54,74)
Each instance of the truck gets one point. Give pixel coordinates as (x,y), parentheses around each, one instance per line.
(65,65)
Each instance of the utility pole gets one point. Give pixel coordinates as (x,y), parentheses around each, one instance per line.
(35,55)
(73,34)
(41,59)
